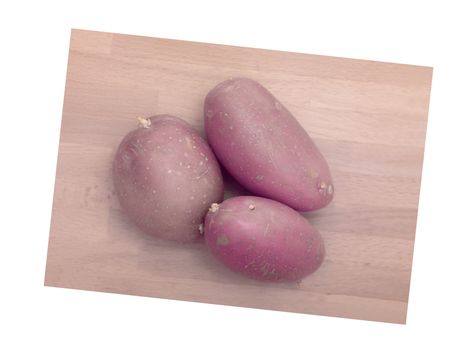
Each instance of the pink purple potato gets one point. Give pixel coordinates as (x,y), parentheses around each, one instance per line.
(166,177)
(263,239)
(264,147)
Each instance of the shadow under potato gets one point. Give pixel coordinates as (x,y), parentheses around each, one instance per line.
(231,187)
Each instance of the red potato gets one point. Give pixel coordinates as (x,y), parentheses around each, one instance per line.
(166,177)
(263,239)
(264,147)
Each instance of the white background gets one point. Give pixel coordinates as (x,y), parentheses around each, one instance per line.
(33,58)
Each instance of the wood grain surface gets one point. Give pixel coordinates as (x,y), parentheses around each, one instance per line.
(368,118)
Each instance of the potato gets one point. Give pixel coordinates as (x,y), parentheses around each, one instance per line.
(264,147)
(166,177)
(263,239)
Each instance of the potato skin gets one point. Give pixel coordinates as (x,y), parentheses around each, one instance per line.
(263,239)
(264,147)
(166,177)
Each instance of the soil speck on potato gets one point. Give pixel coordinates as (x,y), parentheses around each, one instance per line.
(214,207)
(266,230)
(222,240)
(313,174)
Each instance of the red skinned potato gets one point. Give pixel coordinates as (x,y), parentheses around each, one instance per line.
(166,177)
(264,147)
(263,239)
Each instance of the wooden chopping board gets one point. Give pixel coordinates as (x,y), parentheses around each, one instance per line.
(368,119)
